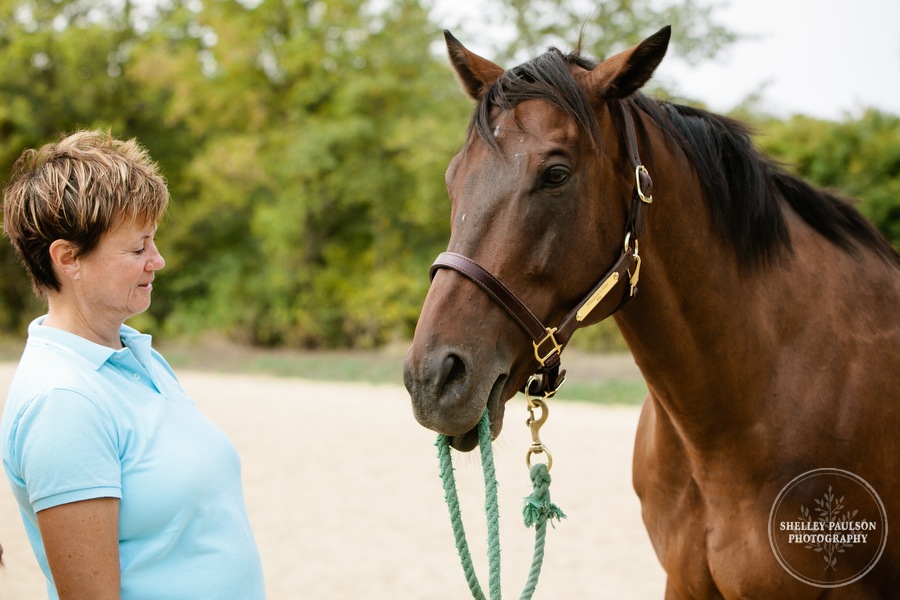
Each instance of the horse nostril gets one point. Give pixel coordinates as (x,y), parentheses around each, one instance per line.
(452,373)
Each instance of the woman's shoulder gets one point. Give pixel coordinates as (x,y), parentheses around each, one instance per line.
(48,364)
(49,373)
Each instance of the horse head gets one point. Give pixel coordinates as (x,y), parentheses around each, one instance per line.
(541,200)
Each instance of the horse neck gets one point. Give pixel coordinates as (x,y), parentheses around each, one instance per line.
(702,327)
(716,339)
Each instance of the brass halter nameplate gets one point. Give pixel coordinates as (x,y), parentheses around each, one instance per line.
(596,297)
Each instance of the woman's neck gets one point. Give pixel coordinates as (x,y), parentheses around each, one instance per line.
(70,318)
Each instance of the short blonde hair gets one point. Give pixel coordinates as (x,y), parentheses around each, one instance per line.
(77,189)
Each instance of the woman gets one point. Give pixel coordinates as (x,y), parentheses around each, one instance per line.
(126,490)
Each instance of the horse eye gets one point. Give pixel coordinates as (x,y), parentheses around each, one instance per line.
(556,176)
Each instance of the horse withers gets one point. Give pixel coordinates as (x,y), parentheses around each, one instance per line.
(766,319)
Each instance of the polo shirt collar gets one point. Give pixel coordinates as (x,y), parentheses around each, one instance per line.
(95,354)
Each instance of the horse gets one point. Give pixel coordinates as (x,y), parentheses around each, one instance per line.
(761,311)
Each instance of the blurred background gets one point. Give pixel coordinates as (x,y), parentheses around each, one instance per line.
(305,141)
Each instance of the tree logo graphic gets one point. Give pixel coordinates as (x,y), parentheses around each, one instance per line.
(837,535)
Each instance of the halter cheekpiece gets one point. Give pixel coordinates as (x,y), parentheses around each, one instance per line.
(549,342)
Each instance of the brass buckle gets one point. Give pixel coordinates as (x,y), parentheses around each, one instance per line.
(633,277)
(637,181)
(557,347)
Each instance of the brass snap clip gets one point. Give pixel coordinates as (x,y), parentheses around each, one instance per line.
(535,424)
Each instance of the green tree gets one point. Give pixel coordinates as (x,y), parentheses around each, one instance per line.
(304,143)
(524,28)
(63,69)
(314,219)
(860,156)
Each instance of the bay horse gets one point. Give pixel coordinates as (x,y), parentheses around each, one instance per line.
(763,313)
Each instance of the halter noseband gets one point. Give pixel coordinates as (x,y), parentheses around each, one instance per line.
(549,341)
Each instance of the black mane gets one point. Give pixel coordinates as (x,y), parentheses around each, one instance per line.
(741,184)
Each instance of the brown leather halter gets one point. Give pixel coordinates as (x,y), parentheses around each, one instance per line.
(549,341)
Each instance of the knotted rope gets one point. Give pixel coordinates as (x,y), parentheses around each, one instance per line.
(537,510)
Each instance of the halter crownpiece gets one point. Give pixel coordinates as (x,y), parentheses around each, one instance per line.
(549,342)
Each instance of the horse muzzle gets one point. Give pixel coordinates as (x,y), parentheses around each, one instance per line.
(450,390)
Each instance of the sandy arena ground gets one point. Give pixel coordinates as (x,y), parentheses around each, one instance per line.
(345,499)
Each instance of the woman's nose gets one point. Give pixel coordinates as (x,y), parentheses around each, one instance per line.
(156,261)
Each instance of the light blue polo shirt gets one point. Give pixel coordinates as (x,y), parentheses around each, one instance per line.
(85,421)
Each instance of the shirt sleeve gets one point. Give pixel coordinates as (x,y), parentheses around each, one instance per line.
(65,448)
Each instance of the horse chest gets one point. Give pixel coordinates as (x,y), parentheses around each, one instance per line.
(706,539)
(709,523)
(712,539)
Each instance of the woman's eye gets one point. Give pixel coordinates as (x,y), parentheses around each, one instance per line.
(556,176)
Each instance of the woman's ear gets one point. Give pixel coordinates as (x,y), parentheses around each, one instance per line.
(64,255)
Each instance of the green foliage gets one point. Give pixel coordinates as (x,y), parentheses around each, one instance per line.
(305,145)
(859,156)
(602,337)
(315,219)
(63,68)
(602,28)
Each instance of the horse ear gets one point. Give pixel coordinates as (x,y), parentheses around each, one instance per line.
(476,74)
(626,72)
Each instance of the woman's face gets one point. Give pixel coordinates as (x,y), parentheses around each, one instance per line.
(115,280)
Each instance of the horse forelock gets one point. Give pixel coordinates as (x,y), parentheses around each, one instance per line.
(548,77)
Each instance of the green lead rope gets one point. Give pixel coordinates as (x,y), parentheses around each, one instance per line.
(537,510)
